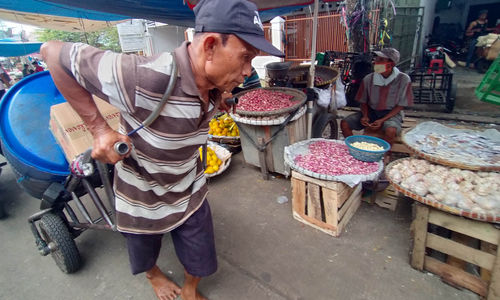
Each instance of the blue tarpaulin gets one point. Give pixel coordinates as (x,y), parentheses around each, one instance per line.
(55,9)
(8,49)
(173,12)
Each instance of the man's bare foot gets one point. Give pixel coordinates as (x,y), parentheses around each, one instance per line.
(189,295)
(165,289)
(189,290)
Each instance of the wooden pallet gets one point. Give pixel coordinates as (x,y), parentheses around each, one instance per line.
(324,205)
(388,198)
(471,243)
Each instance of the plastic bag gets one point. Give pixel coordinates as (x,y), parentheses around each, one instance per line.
(340,99)
(324,97)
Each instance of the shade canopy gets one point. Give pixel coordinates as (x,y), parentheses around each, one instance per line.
(174,12)
(9,49)
(55,22)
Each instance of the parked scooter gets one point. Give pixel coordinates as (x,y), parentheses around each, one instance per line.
(436,57)
(353,68)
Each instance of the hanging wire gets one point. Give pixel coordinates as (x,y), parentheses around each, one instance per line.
(84,30)
(385,21)
(22,29)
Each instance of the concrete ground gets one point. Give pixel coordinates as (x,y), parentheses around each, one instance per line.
(263,252)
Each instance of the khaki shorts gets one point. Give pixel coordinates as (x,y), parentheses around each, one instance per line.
(354,120)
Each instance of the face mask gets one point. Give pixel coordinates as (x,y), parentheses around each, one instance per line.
(380,68)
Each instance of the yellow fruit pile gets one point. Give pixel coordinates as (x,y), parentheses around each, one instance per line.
(213,162)
(223,126)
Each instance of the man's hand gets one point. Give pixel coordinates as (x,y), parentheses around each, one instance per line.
(365,121)
(104,142)
(223,106)
(377,124)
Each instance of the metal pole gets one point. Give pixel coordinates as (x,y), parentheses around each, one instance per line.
(97,201)
(310,82)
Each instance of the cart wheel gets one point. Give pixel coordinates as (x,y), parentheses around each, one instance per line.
(326,127)
(482,65)
(66,255)
(450,100)
(3,214)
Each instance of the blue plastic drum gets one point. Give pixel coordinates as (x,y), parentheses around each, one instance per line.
(27,143)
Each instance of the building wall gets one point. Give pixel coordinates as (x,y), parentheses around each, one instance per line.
(429,15)
(166,38)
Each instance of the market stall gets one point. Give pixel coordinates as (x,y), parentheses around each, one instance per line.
(454,179)
(268,120)
(327,176)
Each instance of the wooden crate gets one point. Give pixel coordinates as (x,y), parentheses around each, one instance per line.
(388,198)
(324,205)
(471,243)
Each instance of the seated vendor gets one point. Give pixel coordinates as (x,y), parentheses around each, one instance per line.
(383,95)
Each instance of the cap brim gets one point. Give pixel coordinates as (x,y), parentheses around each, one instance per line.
(381,54)
(260,43)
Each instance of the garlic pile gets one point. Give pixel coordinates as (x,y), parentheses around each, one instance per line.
(367,146)
(473,191)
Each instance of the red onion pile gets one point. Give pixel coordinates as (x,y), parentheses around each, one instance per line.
(332,158)
(264,100)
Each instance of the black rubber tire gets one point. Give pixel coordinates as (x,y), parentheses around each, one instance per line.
(326,127)
(482,65)
(450,100)
(3,214)
(53,229)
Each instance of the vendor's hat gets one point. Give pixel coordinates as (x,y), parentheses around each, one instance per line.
(238,17)
(389,53)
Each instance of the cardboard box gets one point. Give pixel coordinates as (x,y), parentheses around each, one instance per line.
(69,131)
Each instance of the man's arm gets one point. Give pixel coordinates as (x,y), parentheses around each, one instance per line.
(365,120)
(82,102)
(362,97)
(378,123)
(392,113)
(470,31)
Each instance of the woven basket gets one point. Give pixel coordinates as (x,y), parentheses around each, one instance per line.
(302,147)
(298,75)
(224,155)
(366,155)
(299,98)
(450,209)
(224,139)
(444,161)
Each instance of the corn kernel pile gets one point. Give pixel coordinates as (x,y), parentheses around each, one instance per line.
(213,162)
(367,146)
(223,126)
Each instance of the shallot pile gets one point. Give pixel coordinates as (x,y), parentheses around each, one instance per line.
(332,158)
(473,191)
(264,100)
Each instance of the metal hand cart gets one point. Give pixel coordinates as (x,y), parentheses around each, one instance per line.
(59,225)
(42,171)
(434,86)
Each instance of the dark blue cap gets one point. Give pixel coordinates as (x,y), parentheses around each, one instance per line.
(238,17)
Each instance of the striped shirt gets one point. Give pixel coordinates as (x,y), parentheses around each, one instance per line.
(398,92)
(162,182)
